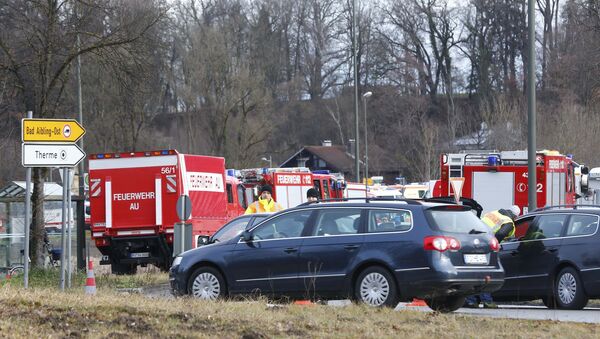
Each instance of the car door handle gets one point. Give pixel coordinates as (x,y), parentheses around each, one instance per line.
(551,250)
(351,247)
(290,250)
(513,253)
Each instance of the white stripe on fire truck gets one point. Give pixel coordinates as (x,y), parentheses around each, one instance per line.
(158,200)
(171,183)
(96,188)
(108,203)
(135,232)
(183,174)
(151,161)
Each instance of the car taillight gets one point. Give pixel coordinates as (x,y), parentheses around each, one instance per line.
(439,243)
(494,245)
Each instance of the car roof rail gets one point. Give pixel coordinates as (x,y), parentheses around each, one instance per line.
(367,200)
(546,208)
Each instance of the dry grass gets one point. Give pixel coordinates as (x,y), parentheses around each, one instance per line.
(49,313)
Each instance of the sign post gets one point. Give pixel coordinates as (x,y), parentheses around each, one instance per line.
(52,143)
(182,231)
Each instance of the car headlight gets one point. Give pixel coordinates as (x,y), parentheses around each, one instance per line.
(177,261)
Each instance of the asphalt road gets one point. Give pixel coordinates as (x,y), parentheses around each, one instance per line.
(587,315)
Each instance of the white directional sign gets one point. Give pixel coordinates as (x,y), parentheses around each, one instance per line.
(51,155)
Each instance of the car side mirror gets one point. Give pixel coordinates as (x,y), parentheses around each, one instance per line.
(246,236)
(202,240)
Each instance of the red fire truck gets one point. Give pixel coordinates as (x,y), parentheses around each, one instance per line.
(499,179)
(290,184)
(133,199)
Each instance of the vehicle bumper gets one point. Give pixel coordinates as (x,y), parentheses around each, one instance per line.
(176,281)
(429,283)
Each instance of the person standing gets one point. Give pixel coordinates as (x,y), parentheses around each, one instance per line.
(312,195)
(502,224)
(265,202)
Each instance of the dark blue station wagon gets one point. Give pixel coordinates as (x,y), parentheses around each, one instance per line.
(376,252)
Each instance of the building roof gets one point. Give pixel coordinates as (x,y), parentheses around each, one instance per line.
(335,156)
(16,189)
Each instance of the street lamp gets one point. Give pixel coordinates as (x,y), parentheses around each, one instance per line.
(365,97)
(270,160)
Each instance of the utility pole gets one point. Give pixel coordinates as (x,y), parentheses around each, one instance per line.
(354,62)
(81,244)
(531,130)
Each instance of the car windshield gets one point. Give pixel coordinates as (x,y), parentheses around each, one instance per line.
(230,230)
(456,221)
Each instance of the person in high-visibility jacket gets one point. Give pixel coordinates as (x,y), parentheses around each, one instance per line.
(265,202)
(502,224)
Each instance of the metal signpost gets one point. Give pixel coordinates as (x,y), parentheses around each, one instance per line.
(51,143)
(182,230)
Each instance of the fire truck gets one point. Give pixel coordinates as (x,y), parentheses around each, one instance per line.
(290,184)
(133,199)
(499,179)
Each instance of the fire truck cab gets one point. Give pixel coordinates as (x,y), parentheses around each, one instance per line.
(499,179)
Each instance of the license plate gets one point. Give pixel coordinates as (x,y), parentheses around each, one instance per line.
(139,255)
(476,259)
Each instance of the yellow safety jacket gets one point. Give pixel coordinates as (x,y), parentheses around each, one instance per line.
(263,206)
(495,220)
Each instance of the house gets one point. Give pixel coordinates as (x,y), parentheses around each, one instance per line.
(337,159)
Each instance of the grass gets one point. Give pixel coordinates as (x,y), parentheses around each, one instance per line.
(50,278)
(43,309)
(36,311)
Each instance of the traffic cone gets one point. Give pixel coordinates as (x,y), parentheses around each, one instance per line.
(417,302)
(90,282)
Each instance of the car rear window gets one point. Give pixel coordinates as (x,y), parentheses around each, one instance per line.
(455,221)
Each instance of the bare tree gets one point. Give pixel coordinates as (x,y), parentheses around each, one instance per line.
(37,48)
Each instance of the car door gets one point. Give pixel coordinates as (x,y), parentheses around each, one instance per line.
(508,254)
(269,263)
(330,249)
(537,253)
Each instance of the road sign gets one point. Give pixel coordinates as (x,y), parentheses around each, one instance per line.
(51,130)
(51,155)
(457,185)
(184,207)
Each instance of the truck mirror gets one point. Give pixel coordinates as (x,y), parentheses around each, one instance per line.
(202,240)
(246,236)
(585,170)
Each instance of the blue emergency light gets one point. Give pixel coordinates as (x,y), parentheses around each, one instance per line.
(493,160)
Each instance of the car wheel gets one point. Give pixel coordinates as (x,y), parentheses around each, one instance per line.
(376,287)
(568,290)
(206,283)
(446,304)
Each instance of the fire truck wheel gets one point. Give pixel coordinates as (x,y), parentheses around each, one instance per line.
(568,290)
(207,283)
(123,269)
